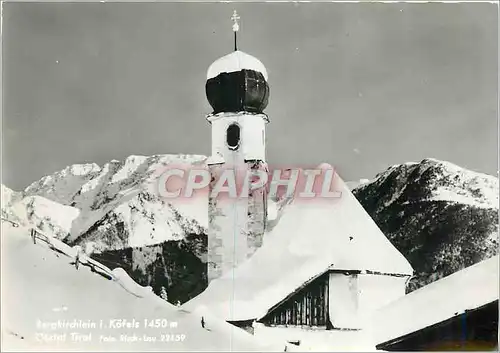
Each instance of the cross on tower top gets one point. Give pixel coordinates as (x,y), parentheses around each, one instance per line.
(236,27)
(235,17)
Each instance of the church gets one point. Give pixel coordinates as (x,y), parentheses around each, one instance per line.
(318,274)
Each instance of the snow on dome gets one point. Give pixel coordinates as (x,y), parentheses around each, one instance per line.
(325,166)
(235,62)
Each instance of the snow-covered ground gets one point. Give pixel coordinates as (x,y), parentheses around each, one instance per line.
(43,292)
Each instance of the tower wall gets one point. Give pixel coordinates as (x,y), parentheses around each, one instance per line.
(236,225)
(257,211)
(253,138)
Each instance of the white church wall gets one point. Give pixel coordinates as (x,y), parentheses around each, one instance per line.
(315,339)
(376,291)
(353,299)
(343,301)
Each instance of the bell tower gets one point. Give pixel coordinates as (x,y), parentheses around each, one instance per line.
(238,92)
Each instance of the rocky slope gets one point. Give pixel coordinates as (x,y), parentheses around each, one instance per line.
(443,218)
(176,265)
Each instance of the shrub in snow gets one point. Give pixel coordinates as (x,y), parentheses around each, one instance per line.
(163,294)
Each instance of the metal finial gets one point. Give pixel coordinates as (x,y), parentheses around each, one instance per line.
(236,27)
(235,17)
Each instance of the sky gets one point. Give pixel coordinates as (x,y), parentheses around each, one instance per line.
(361,86)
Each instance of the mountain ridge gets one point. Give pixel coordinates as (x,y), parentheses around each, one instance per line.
(443,218)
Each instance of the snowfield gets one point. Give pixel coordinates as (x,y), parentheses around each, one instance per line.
(41,287)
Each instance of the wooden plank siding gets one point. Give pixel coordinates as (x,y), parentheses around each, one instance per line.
(307,307)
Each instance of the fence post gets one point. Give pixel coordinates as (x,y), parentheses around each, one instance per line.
(77,258)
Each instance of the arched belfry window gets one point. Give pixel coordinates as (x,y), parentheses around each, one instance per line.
(233,136)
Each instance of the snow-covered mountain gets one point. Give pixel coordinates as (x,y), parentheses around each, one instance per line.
(47,215)
(118,204)
(9,197)
(356,183)
(442,217)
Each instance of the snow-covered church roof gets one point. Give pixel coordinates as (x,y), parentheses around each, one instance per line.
(310,238)
(234,62)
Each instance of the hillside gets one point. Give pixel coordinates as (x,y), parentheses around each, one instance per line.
(175,265)
(443,218)
(42,290)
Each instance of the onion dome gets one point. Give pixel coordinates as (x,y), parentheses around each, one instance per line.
(237,82)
